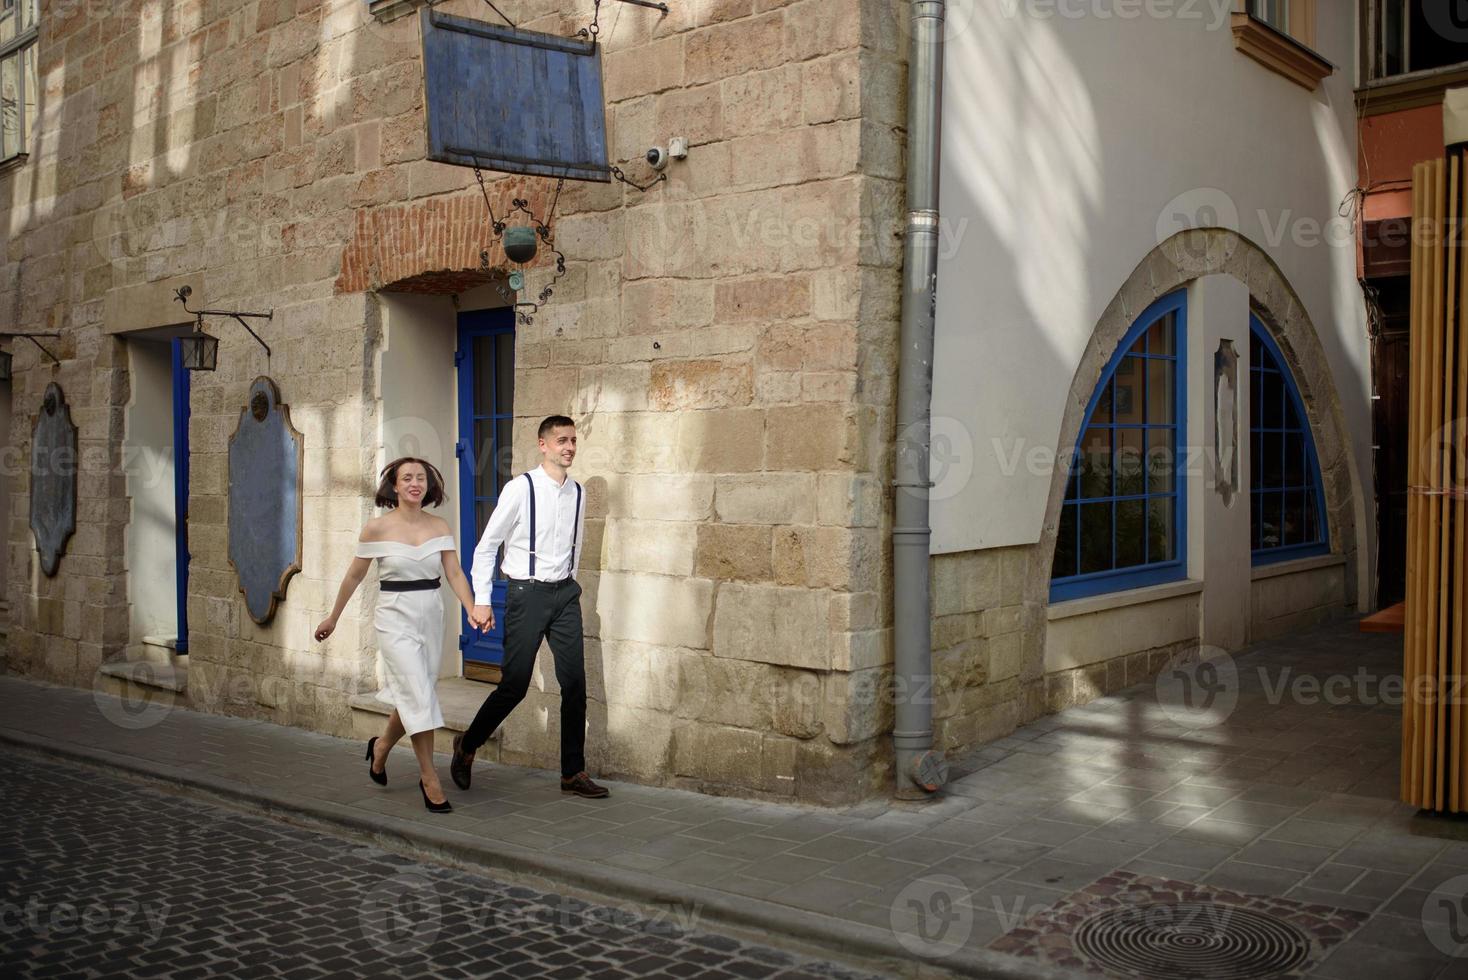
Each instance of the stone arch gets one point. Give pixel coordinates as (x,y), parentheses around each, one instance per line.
(1184,257)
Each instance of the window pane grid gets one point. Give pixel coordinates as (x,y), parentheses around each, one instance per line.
(18,77)
(486,422)
(1275,13)
(1284,488)
(1119,515)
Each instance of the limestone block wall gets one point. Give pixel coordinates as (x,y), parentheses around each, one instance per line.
(987,646)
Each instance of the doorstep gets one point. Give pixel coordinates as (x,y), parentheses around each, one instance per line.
(146,673)
(459,698)
(145,683)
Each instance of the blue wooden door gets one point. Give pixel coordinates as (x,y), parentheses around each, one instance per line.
(485,360)
(181,388)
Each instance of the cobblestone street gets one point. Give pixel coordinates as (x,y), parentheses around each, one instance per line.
(104,877)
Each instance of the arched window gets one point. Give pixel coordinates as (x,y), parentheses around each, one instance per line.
(1123,521)
(1288,515)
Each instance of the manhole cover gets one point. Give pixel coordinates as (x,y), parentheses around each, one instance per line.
(1192,941)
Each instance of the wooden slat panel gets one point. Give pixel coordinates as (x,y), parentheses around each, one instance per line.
(1430,461)
(1458,512)
(1435,641)
(1447,781)
(1411,669)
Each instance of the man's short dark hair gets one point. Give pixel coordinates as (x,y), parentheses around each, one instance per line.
(552,423)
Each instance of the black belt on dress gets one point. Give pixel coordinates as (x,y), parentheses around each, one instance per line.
(409,585)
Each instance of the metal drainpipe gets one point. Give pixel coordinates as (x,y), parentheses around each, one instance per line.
(920,770)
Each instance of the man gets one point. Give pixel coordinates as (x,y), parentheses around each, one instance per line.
(539,519)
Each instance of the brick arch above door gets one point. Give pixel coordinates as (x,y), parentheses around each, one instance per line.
(432,245)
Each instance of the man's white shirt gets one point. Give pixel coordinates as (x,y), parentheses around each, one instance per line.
(555,513)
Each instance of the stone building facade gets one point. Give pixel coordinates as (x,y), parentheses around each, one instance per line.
(727,342)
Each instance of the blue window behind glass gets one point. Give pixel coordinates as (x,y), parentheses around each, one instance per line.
(485,361)
(1288,506)
(1123,522)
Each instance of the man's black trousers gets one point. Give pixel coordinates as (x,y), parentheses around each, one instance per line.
(536,611)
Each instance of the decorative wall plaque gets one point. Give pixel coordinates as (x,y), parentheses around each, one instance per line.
(1226,418)
(266,456)
(53,478)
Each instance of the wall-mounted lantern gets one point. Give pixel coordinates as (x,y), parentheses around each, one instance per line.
(5,356)
(199,351)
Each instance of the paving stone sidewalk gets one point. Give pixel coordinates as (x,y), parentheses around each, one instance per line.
(1280,786)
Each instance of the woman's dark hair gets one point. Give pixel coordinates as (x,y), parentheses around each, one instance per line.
(387,488)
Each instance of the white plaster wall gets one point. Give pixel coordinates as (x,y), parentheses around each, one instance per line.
(419,412)
(1219,549)
(1072,145)
(152,558)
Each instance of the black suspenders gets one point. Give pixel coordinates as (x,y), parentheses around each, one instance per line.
(533,540)
(575,523)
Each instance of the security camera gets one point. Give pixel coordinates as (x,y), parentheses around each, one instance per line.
(657,158)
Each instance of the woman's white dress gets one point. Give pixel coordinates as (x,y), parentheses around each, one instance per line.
(410,629)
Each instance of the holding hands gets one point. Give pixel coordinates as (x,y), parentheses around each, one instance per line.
(481,618)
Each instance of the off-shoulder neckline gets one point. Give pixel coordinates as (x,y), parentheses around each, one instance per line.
(411,547)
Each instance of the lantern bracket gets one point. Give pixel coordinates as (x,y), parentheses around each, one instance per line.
(182,294)
(590,31)
(32,338)
(544,232)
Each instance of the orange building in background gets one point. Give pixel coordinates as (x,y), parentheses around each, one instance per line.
(1413,55)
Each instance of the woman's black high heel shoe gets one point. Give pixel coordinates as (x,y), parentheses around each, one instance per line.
(444,807)
(380,778)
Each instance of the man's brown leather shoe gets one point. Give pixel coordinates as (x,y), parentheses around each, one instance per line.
(461,766)
(581,785)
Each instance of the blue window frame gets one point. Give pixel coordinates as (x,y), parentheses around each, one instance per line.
(182,385)
(485,361)
(1123,523)
(1287,519)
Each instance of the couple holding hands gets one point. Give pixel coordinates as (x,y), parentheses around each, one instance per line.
(539,519)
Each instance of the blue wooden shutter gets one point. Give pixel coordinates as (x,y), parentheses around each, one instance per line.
(513,100)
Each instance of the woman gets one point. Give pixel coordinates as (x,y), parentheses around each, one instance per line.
(412,549)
